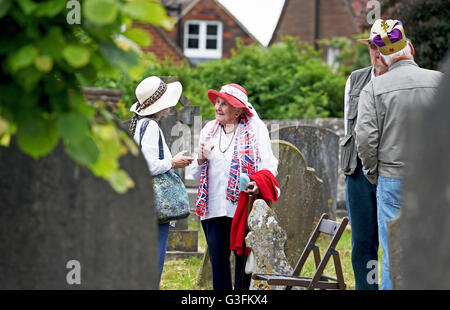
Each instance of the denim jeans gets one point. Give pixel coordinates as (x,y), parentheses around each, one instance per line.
(360,198)
(389,203)
(163,236)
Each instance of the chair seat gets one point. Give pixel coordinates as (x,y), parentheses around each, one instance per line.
(319,280)
(277,279)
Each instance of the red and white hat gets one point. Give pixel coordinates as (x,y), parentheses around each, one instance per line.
(234,95)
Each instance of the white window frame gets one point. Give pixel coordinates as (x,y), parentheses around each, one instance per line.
(202,51)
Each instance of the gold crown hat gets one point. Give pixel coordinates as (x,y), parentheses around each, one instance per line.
(388,36)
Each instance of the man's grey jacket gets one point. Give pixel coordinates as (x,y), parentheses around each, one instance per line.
(381,126)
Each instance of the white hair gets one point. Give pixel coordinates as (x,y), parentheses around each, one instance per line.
(405,53)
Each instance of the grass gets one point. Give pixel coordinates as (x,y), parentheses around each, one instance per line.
(182,274)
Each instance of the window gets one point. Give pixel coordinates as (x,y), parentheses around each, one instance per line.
(203,39)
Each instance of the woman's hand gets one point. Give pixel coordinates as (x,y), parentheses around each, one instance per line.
(181,161)
(252,188)
(203,153)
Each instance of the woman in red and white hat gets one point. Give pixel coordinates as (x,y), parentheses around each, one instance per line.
(237,142)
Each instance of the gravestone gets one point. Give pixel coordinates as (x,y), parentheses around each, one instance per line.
(297,206)
(424,230)
(56,217)
(266,240)
(320,149)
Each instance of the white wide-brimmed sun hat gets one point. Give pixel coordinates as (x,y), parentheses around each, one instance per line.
(155,95)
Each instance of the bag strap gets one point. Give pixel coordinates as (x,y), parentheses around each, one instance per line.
(160,142)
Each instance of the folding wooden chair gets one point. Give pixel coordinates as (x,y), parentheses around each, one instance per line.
(319,280)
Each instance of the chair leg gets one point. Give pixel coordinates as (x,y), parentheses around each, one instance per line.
(339,274)
(319,272)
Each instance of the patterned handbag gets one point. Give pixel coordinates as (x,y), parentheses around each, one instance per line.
(171,198)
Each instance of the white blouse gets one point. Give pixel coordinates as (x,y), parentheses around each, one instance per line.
(150,147)
(219,166)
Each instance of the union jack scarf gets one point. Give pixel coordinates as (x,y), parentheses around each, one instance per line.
(245,160)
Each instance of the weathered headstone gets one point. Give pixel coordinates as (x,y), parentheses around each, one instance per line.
(297,206)
(60,224)
(424,229)
(266,241)
(320,149)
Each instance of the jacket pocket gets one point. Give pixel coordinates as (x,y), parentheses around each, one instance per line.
(347,148)
(353,107)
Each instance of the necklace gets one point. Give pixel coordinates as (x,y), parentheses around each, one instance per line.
(220,139)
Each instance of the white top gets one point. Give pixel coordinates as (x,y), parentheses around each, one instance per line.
(347,98)
(219,166)
(150,147)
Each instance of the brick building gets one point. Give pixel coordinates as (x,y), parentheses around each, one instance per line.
(206,30)
(312,20)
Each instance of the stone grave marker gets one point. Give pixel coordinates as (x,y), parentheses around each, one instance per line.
(423,226)
(63,228)
(266,240)
(297,206)
(320,149)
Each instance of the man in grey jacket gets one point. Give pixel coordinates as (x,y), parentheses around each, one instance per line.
(360,194)
(382,119)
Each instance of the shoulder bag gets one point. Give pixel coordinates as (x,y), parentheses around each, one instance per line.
(171,198)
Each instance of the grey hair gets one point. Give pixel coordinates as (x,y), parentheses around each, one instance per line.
(406,52)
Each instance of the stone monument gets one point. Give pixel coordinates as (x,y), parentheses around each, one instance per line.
(423,225)
(63,228)
(266,240)
(297,206)
(320,149)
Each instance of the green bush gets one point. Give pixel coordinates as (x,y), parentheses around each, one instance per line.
(288,80)
(44,58)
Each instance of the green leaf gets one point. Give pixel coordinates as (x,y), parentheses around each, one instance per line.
(84,151)
(37,137)
(50,8)
(77,56)
(53,43)
(118,57)
(24,57)
(100,12)
(28,78)
(140,36)
(4,7)
(44,63)
(120,181)
(146,11)
(73,127)
(27,6)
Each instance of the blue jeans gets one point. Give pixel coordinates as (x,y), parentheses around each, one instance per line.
(389,202)
(360,198)
(163,236)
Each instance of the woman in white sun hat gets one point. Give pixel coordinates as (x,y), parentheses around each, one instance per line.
(155,98)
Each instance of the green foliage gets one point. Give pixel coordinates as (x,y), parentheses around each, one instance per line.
(352,54)
(43,58)
(288,80)
(426,25)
